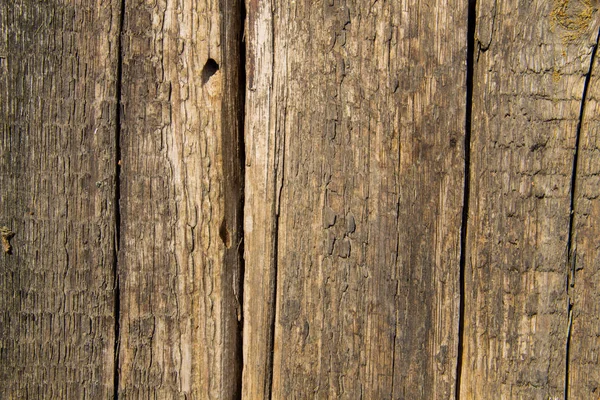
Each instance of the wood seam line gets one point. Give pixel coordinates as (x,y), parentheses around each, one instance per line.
(276,207)
(231,231)
(242,160)
(571,248)
(117,200)
(471,22)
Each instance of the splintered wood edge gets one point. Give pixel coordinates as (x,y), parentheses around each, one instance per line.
(6,235)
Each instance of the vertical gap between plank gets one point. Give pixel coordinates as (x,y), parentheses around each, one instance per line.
(234,160)
(117,205)
(471,20)
(571,251)
(276,206)
(242,162)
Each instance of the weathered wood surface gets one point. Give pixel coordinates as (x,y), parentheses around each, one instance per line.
(181,182)
(527,91)
(58,68)
(125,158)
(261,178)
(584,349)
(354,191)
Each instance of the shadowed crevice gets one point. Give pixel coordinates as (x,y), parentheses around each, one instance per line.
(233,69)
(117,203)
(471,21)
(276,207)
(241,145)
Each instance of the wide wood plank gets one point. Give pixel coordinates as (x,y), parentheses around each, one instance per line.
(179,263)
(354,139)
(58,66)
(527,89)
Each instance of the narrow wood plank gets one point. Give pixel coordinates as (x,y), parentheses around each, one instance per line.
(58,63)
(179,255)
(262,174)
(528,83)
(584,349)
(355,126)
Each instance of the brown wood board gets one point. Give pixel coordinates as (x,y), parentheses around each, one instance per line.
(58,72)
(354,191)
(584,280)
(529,70)
(179,264)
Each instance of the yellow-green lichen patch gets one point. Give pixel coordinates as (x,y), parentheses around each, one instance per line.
(574,17)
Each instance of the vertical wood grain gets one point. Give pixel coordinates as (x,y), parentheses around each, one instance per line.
(58,65)
(527,91)
(180,200)
(191,221)
(584,349)
(262,174)
(354,191)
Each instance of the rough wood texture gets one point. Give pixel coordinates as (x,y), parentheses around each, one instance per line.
(261,177)
(354,190)
(584,350)
(351,194)
(180,200)
(58,64)
(527,91)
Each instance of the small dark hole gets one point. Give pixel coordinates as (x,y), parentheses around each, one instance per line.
(224,234)
(210,68)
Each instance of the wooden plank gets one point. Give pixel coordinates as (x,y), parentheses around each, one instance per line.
(527,89)
(58,64)
(354,143)
(261,175)
(584,349)
(179,261)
